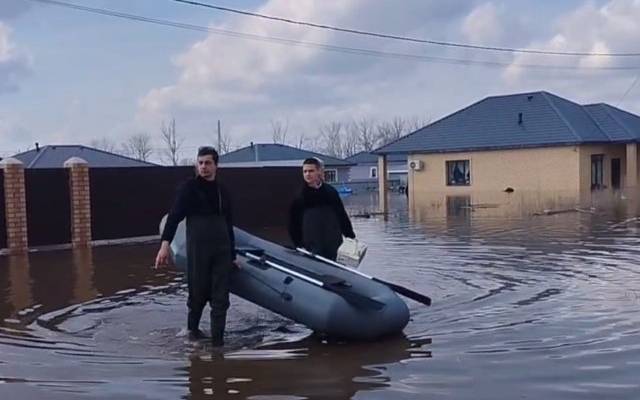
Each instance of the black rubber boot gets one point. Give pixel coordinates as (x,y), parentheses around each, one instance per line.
(217,330)
(193,320)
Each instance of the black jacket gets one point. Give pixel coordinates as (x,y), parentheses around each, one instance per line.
(197,196)
(325,195)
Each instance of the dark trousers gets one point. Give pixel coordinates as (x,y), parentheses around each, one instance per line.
(208,280)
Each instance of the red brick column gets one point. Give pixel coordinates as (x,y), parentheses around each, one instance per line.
(80,202)
(15,206)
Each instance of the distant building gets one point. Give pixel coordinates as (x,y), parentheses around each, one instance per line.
(278,155)
(363,176)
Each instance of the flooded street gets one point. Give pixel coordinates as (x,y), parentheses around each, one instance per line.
(526,307)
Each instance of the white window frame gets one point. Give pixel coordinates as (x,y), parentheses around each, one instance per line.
(373,172)
(335,172)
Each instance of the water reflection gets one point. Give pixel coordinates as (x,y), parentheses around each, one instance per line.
(17,293)
(306,369)
(38,283)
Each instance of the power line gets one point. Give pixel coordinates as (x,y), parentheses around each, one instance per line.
(329,47)
(403,38)
(633,84)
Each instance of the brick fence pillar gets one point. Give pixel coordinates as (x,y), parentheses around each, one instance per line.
(15,206)
(80,202)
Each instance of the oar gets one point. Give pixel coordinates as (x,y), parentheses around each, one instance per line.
(326,282)
(397,288)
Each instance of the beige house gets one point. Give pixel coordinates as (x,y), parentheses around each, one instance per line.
(529,151)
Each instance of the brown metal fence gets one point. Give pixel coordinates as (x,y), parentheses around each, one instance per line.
(3,222)
(48,206)
(129,202)
(261,196)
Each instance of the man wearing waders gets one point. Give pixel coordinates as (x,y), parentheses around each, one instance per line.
(317,218)
(210,244)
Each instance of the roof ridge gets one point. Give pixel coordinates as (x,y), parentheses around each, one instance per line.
(595,121)
(562,117)
(614,117)
(517,94)
(112,154)
(38,155)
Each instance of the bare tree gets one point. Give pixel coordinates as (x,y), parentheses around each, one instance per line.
(105,144)
(350,142)
(388,131)
(313,143)
(173,143)
(331,134)
(226,144)
(138,146)
(279,131)
(365,131)
(417,122)
(301,141)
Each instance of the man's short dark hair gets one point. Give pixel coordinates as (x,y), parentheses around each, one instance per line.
(208,151)
(314,161)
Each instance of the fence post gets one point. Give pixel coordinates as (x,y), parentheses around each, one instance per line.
(15,206)
(80,202)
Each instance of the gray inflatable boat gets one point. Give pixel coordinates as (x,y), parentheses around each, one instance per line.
(338,302)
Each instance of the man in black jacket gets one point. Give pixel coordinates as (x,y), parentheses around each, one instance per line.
(317,218)
(210,244)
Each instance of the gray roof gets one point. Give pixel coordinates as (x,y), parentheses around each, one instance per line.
(619,125)
(54,156)
(493,123)
(369,158)
(277,152)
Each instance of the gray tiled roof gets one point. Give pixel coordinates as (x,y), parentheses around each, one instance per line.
(494,123)
(276,152)
(54,156)
(618,124)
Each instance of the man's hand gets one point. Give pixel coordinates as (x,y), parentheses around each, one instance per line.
(236,264)
(163,255)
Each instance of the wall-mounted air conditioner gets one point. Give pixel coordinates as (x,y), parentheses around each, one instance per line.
(416,165)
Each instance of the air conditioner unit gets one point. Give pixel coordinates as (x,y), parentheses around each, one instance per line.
(416,165)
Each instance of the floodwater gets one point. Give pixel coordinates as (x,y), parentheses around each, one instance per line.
(528,307)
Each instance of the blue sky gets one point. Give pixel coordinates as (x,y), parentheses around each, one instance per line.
(68,76)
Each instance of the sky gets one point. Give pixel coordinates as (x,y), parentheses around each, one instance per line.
(71,77)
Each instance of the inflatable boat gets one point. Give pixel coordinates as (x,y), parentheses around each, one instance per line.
(325,296)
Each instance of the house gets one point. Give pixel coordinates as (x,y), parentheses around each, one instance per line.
(363,176)
(279,155)
(54,156)
(522,143)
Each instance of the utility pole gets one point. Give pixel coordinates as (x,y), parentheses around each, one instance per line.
(219,137)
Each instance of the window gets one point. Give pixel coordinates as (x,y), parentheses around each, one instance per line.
(373,172)
(331,175)
(458,173)
(597,173)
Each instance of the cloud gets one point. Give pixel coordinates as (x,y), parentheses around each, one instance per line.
(248,83)
(483,25)
(610,28)
(13,63)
